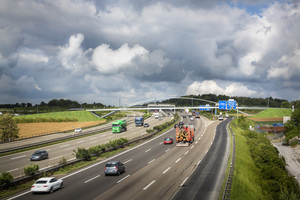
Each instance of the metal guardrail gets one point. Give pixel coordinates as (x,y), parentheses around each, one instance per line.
(53,169)
(227,189)
(53,140)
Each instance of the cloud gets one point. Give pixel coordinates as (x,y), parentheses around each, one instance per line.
(109,50)
(211,87)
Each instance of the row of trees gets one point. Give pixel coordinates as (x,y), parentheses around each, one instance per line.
(242,101)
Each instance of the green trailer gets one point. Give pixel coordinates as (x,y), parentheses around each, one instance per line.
(119,126)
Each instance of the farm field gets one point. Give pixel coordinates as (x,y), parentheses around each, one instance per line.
(79,115)
(43,128)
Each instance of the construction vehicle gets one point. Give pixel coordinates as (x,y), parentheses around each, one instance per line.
(119,126)
(184,136)
(139,121)
(197,115)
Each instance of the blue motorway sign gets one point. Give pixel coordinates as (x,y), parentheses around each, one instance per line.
(208,108)
(231,105)
(222,105)
(202,108)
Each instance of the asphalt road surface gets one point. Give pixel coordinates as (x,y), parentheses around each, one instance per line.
(153,170)
(15,163)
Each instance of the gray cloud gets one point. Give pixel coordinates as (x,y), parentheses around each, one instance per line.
(133,50)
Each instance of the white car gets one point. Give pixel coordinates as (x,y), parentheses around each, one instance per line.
(78,130)
(47,184)
(192,118)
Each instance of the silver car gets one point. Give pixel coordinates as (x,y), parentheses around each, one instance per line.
(39,155)
(114,167)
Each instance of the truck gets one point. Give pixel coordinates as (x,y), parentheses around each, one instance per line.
(139,121)
(197,114)
(119,126)
(156,115)
(221,117)
(184,136)
(193,112)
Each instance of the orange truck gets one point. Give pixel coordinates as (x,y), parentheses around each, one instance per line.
(184,136)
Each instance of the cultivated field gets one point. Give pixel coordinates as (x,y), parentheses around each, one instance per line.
(32,129)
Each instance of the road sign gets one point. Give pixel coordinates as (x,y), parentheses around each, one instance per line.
(231,105)
(222,105)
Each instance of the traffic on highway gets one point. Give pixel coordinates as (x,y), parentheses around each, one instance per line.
(151,170)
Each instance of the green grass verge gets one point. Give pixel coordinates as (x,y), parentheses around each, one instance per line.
(273,112)
(246,178)
(79,115)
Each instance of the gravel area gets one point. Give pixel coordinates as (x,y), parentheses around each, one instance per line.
(292,158)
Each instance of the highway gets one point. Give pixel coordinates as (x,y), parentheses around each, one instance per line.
(153,170)
(15,163)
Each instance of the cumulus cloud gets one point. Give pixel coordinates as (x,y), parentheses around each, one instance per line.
(211,87)
(111,50)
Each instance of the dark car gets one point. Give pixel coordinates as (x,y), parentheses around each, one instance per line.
(184,116)
(181,123)
(39,155)
(168,140)
(114,167)
(146,125)
(176,125)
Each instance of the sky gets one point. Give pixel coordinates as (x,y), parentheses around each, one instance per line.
(118,52)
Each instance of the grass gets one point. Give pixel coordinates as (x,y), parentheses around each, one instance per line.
(274,112)
(246,179)
(79,115)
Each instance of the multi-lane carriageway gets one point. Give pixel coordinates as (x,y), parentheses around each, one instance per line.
(155,170)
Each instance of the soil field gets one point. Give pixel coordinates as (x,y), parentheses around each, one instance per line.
(267,119)
(43,128)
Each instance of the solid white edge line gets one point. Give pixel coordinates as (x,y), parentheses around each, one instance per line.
(184,181)
(92,179)
(145,188)
(123,178)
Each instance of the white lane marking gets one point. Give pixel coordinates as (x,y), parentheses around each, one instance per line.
(92,179)
(55,157)
(199,162)
(72,159)
(182,184)
(46,167)
(93,138)
(80,141)
(64,145)
(13,170)
(150,161)
(177,160)
(148,150)
(186,152)
(167,150)
(69,148)
(18,157)
(160,143)
(123,179)
(145,188)
(93,142)
(127,161)
(192,146)
(103,161)
(196,142)
(166,170)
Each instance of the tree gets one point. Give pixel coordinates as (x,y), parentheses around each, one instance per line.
(8,128)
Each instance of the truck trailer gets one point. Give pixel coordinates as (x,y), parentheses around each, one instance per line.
(119,126)
(139,121)
(184,136)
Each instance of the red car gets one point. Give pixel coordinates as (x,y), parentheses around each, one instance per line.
(168,140)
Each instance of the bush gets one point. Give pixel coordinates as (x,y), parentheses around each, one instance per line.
(6,178)
(82,153)
(31,169)
(63,161)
